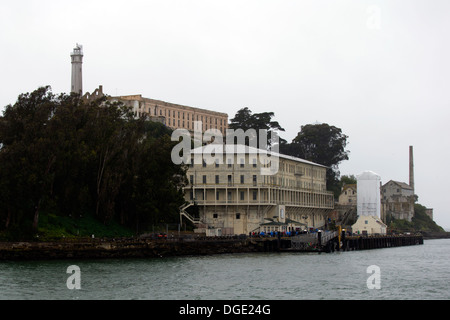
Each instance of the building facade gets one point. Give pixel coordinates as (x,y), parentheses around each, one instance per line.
(234,197)
(398,200)
(348,196)
(369,225)
(176,116)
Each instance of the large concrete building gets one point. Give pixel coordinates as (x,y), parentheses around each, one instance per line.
(398,200)
(234,197)
(176,116)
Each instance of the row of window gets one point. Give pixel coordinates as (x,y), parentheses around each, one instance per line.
(216,216)
(217,179)
(169,123)
(267,180)
(181,115)
(230,195)
(229,163)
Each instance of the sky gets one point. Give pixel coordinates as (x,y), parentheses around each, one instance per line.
(379,70)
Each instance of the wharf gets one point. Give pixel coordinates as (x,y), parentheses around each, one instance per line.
(333,241)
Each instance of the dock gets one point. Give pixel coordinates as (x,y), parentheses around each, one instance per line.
(334,241)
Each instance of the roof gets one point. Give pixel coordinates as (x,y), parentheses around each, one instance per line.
(368,175)
(277,223)
(169,104)
(243,149)
(400,184)
(349,186)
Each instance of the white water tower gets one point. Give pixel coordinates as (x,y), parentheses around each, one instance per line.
(368,194)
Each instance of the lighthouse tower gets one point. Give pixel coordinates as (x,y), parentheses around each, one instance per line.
(77,75)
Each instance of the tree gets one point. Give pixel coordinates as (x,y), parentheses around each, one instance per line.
(246,120)
(322,144)
(62,155)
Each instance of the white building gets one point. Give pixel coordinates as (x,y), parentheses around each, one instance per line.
(235,195)
(369,225)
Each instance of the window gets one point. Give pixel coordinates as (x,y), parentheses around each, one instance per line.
(204,179)
(230,182)
(255,195)
(217,179)
(242,179)
(242,194)
(238,216)
(204,163)
(229,163)
(191,196)
(230,196)
(366,221)
(242,163)
(254,163)
(255,180)
(217,163)
(191,179)
(215,216)
(217,195)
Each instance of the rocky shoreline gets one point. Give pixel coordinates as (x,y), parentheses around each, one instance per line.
(435,235)
(101,249)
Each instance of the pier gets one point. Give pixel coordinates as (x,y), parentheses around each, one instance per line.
(335,241)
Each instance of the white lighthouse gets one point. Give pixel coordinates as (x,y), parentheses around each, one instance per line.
(77,70)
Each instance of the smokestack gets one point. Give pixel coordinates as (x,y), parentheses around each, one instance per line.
(411,168)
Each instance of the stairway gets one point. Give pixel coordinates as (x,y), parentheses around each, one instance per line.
(184,213)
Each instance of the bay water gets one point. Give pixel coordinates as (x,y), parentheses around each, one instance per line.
(407,273)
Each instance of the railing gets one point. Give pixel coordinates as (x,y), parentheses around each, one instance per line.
(265,202)
(313,237)
(184,213)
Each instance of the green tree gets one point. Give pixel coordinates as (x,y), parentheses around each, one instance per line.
(322,144)
(62,155)
(245,120)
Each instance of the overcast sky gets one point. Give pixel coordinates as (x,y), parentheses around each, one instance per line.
(379,70)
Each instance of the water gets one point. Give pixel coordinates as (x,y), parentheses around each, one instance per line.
(415,272)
